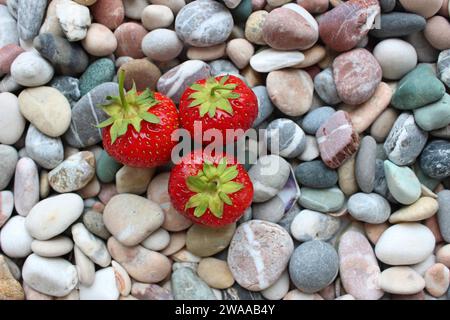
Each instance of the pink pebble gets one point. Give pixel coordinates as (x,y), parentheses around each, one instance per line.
(108,12)
(7,55)
(129,38)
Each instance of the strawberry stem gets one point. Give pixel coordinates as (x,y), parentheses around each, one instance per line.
(122,90)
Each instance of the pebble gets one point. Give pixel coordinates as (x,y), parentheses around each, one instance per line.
(156,16)
(103,288)
(129,38)
(55,247)
(322,200)
(177,242)
(291,91)
(186,285)
(110,13)
(265,105)
(271,210)
(423,266)
(26,186)
(30,14)
(47,109)
(175,81)
(162,45)
(215,273)
(15,239)
(434,159)
(31,70)
(8,54)
(133,180)
(357,75)
(315,174)
(62,210)
(444,214)
(279,289)
(254,27)
(203,23)
(418,88)
(144,291)
(6,206)
(434,116)
(366,164)
(100,71)
(443,65)
(8,165)
(362,13)
(157,240)
(93,221)
(218,239)
(53,276)
(74,173)
(68,86)
(141,264)
(422,209)
(99,41)
(85,267)
(313,266)
(268,60)
(402,183)
(398,24)
(396,58)
(437,280)
(405,141)
(10,288)
(443,255)
(426,10)
(298,295)
(285,138)
(315,118)
(90,245)
(106,168)
(134,8)
(401,280)
(312,225)
(9,26)
(12,121)
(336,146)
(131,219)
(268,175)
(325,87)
(425,51)
(143,72)
(82,131)
(46,151)
(206,53)
(405,244)
(74,18)
(240,52)
(258,254)
(369,207)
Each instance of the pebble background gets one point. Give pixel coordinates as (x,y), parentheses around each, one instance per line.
(359,207)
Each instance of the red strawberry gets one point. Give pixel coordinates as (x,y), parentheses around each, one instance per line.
(138,132)
(212,191)
(222,103)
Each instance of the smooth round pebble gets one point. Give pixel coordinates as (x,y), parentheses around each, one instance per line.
(311,225)
(29,69)
(55,247)
(369,207)
(162,45)
(396,57)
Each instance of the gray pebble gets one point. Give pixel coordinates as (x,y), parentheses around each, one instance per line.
(435,159)
(315,174)
(68,86)
(8,163)
(369,207)
(443,214)
(46,151)
(443,67)
(221,66)
(289,216)
(30,14)
(93,221)
(326,88)
(186,285)
(398,24)
(265,105)
(271,210)
(425,51)
(366,163)
(315,118)
(9,34)
(285,137)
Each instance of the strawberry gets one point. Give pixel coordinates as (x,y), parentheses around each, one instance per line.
(210,190)
(138,132)
(223,102)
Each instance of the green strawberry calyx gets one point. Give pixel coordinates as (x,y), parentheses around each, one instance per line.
(212,95)
(212,185)
(129,108)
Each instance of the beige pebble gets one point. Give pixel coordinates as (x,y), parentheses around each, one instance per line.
(346,297)
(374,231)
(252,77)
(347,178)
(240,51)
(426,192)
(298,295)
(92,189)
(312,56)
(10,288)
(437,280)
(100,41)
(443,255)
(185,256)
(44,186)
(254,25)
(123,280)
(383,124)
(327,61)
(206,54)
(133,180)
(437,32)
(401,280)
(177,241)
(215,273)
(426,8)
(422,209)
(86,2)
(156,16)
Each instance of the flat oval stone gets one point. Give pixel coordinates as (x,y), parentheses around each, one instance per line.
(258,254)
(434,116)
(131,218)
(93,221)
(405,141)
(422,209)
(55,247)
(254,27)
(26,186)
(369,207)
(366,164)
(61,210)
(53,276)
(326,87)
(402,183)
(9,157)
(270,60)
(90,245)
(291,91)
(290,27)
(405,244)
(8,24)
(203,23)
(313,266)
(30,14)
(425,51)
(357,75)
(444,213)
(315,118)
(157,241)
(437,279)
(129,37)
(29,69)
(15,239)
(144,73)
(285,138)
(103,288)
(401,280)
(11,120)
(218,239)
(98,72)
(47,109)
(358,267)
(141,264)
(48,152)
(322,200)
(186,285)
(108,12)
(342,33)
(175,81)
(315,174)
(100,41)
(396,57)
(427,10)
(85,116)
(312,225)
(434,159)
(144,291)
(398,24)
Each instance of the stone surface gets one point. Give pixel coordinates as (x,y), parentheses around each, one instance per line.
(162,45)
(26,186)
(312,225)
(218,239)
(74,18)
(315,118)
(46,151)
(30,14)
(270,60)
(254,27)
(15,239)
(98,72)
(434,159)
(437,279)
(322,200)
(396,58)
(366,164)
(157,16)
(434,116)
(215,273)
(129,37)
(12,121)
(8,165)
(258,254)
(422,209)
(369,207)
(6,206)
(8,54)
(315,174)
(398,24)
(55,247)
(186,285)
(93,247)
(444,214)
(103,288)
(143,72)
(133,180)
(402,183)
(9,25)
(31,70)
(68,86)
(285,138)
(401,280)
(108,12)
(265,105)
(10,288)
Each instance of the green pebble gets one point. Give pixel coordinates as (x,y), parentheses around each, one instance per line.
(242,11)
(434,116)
(428,182)
(402,183)
(101,71)
(418,88)
(107,168)
(322,200)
